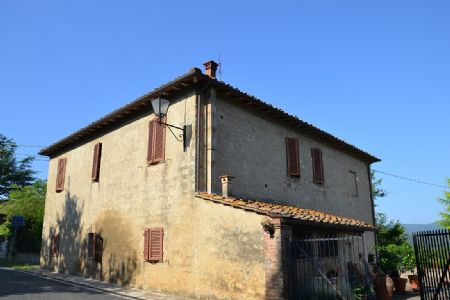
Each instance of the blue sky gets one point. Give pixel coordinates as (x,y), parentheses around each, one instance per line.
(375,73)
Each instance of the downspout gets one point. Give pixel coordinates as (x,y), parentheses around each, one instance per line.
(373,210)
(197,139)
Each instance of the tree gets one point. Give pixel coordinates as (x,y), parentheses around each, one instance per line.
(445,222)
(13,171)
(377,191)
(27,201)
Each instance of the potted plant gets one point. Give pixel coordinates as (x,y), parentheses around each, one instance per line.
(389,264)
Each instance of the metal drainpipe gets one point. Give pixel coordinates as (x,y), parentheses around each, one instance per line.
(198,94)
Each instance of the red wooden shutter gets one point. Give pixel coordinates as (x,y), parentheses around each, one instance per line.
(156,141)
(146,244)
(96,162)
(156,244)
(90,245)
(317,164)
(292,157)
(98,248)
(61,174)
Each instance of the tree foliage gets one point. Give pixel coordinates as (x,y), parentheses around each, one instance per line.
(13,171)
(27,201)
(445,222)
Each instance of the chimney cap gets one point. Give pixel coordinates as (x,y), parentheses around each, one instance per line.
(211,68)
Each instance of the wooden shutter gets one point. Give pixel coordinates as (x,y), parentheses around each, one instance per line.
(156,141)
(61,174)
(317,164)
(98,248)
(54,245)
(292,157)
(153,244)
(90,245)
(96,162)
(146,244)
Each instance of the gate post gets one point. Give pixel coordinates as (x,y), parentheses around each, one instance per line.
(277,254)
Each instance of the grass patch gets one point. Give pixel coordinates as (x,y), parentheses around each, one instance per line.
(17,265)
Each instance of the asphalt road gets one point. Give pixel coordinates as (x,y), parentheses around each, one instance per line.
(19,285)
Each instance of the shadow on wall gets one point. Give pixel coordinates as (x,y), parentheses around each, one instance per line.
(119,261)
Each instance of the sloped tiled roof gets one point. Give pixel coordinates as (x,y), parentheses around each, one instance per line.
(287,211)
(196,80)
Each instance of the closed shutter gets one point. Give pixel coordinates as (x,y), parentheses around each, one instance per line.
(54,245)
(96,162)
(61,174)
(156,141)
(98,248)
(292,157)
(153,244)
(90,245)
(317,164)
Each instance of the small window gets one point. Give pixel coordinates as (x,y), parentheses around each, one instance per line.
(153,244)
(62,162)
(54,245)
(317,165)
(292,157)
(156,141)
(328,246)
(96,162)
(95,247)
(353,183)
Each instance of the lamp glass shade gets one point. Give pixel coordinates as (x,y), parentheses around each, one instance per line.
(160,106)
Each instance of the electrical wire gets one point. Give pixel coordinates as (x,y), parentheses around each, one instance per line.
(412,180)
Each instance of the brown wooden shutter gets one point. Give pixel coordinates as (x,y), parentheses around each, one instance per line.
(146,244)
(98,248)
(96,162)
(292,157)
(317,164)
(156,244)
(90,245)
(61,174)
(156,141)
(54,245)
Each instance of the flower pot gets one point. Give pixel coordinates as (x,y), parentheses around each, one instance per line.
(400,285)
(384,287)
(414,282)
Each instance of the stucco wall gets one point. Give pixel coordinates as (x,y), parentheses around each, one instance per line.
(131,196)
(253,150)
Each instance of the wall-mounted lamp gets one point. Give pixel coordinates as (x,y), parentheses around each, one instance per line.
(160,107)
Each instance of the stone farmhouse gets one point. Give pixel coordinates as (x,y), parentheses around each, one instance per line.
(246,202)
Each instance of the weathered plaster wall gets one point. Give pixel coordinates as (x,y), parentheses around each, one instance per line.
(131,196)
(253,150)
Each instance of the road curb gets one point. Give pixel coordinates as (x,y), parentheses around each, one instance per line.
(84,285)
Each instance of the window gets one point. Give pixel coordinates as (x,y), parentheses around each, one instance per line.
(153,244)
(328,245)
(62,162)
(156,141)
(96,162)
(54,245)
(317,165)
(292,157)
(353,183)
(95,247)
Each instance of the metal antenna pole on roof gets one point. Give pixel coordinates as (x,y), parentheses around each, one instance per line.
(220,67)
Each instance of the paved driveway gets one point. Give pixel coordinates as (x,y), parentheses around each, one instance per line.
(20,285)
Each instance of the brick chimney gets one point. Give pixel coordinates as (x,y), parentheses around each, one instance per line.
(211,68)
(226,185)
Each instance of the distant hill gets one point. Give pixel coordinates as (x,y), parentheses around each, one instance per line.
(410,228)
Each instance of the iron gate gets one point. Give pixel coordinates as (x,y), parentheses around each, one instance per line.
(432,249)
(330,266)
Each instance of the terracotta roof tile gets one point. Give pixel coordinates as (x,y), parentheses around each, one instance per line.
(286,211)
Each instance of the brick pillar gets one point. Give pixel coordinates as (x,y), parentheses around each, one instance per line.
(277,248)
